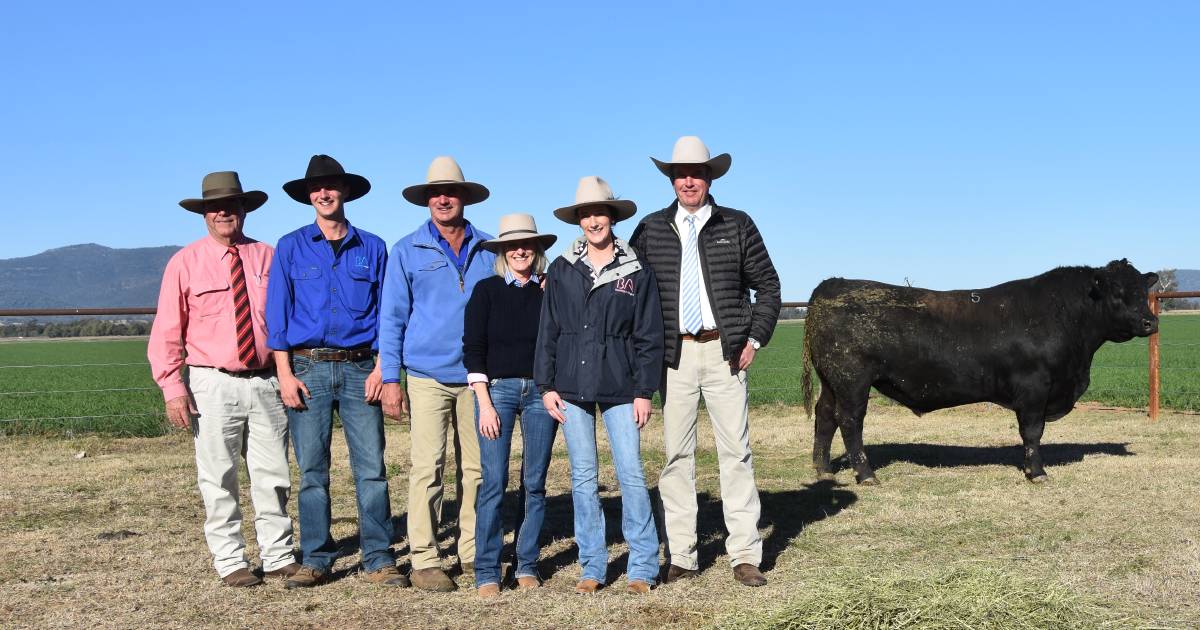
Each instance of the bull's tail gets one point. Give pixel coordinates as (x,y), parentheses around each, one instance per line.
(806,370)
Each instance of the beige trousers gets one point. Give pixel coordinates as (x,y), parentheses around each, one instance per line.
(437,409)
(242,418)
(704,372)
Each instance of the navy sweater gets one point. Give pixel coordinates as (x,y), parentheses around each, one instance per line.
(500,328)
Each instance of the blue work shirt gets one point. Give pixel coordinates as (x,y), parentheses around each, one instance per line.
(317,300)
(459,259)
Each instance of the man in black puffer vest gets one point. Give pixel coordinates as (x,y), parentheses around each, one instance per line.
(707,259)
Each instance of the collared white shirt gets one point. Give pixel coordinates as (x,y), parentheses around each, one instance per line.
(509,278)
(681,225)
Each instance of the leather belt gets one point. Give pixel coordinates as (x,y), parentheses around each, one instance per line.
(702,336)
(334,354)
(267,371)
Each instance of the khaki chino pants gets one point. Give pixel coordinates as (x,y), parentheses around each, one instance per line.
(438,409)
(242,418)
(703,371)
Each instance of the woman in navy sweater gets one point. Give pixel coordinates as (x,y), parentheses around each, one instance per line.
(499,336)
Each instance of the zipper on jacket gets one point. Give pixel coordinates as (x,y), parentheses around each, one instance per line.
(462,284)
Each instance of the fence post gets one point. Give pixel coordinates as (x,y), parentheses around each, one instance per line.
(1153,405)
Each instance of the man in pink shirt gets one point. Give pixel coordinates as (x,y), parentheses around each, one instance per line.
(210,317)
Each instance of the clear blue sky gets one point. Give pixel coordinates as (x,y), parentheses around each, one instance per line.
(955,144)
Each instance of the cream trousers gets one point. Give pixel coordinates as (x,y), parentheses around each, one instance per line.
(242,418)
(704,372)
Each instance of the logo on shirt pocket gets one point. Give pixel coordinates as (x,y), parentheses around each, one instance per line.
(361,261)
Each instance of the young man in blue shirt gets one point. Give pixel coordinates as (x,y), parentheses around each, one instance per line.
(322,316)
(429,279)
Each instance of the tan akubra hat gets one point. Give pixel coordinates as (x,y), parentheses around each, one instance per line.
(594,191)
(691,150)
(518,227)
(224,185)
(442,171)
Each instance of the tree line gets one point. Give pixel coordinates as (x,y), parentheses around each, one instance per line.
(76,328)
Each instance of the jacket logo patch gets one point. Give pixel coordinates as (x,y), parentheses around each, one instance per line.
(624,285)
(361,261)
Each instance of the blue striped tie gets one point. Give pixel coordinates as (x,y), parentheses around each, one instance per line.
(689,281)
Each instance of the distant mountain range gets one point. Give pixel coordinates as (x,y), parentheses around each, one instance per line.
(1189,279)
(84,276)
(95,276)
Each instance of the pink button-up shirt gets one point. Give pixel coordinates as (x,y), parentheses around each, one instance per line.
(195,320)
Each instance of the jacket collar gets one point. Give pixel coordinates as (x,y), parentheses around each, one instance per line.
(668,214)
(623,252)
(424,238)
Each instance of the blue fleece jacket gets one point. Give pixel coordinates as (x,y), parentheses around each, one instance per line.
(424,299)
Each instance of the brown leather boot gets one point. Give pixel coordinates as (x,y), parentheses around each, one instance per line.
(387,576)
(749,575)
(306,577)
(489,591)
(241,579)
(587,587)
(637,587)
(285,571)
(527,582)
(433,579)
(679,573)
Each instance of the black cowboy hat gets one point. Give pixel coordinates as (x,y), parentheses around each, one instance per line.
(224,185)
(320,167)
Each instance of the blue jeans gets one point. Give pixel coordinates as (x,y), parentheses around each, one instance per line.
(511,396)
(340,383)
(637,520)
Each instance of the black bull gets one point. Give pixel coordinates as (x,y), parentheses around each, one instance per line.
(1026,345)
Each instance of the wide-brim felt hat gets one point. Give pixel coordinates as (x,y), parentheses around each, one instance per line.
(594,191)
(518,227)
(444,171)
(692,150)
(224,185)
(321,167)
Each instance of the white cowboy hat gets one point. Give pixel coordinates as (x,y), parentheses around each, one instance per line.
(594,191)
(518,227)
(691,150)
(444,170)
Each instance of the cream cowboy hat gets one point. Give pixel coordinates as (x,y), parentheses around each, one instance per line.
(594,191)
(691,150)
(444,170)
(224,185)
(518,227)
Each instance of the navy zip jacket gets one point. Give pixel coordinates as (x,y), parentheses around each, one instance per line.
(599,341)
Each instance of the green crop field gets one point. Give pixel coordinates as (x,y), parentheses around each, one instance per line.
(105,386)
(98,386)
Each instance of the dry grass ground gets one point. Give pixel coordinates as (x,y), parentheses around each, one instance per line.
(955,537)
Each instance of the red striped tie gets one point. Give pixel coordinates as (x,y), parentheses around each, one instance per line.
(241,311)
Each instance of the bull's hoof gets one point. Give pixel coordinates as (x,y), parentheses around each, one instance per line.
(824,476)
(869,481)
(1042,478)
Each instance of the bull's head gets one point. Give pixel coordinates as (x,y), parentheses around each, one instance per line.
(1124,295)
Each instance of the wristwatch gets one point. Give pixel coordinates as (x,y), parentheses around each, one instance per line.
(754,344)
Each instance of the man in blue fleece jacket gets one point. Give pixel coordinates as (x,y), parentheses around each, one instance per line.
(430,275)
